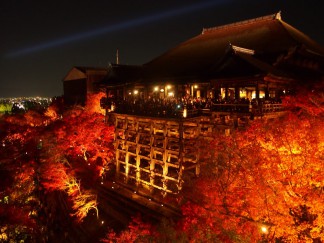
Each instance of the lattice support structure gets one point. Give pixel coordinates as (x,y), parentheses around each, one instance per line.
(157,153)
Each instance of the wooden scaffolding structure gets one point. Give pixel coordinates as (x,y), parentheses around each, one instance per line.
(156,152)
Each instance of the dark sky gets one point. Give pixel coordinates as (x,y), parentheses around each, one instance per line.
(42,40)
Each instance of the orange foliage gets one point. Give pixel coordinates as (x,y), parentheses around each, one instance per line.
(267,176)
(80,148)
(54,176)
(51,113)
(87,140)
(93,103)
(30,118)
(83,203)
(137,231)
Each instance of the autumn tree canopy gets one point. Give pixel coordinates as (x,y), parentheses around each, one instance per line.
(78,154)
(265,182)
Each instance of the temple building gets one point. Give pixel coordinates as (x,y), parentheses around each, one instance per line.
(257,58)
(81,81)
(214,82)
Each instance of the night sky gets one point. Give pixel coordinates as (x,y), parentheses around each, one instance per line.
(42,40)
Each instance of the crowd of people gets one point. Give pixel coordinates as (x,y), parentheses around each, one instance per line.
(174,107)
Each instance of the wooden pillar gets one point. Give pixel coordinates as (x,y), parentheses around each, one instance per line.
(117,163)
(138,159)
(257,92)
(126,165)
(226,92)
(180,157)
(218,93)
(266,92)
(152,164)
(237,93)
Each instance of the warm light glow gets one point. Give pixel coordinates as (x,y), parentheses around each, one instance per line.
(135,92)
(264,230)
(170,94)
(195,86)
(185,112)
(156,88)
(162,90)
(168,87)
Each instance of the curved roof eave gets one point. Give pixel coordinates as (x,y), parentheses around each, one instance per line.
(267,35)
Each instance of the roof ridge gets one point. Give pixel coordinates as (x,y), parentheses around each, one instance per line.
(242,50)
(88,67)
(267,17)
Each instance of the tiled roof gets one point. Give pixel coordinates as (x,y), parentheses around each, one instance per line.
(85,69)
(268,37)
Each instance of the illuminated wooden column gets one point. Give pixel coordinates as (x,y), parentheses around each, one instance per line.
(117,163)
(126,165)
(152,164)
(181,151)
(152,176)
(138,158)
(164,160)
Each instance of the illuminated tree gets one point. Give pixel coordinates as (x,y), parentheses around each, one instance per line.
(54,176)
(80,150)
(83,202)
(265,182)
(47,148)
(138,231)
(86,140)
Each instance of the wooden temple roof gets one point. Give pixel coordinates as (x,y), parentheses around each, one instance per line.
(207,55)
(265,46)
(81,72)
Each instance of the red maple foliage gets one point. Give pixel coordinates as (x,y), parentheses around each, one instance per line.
(138,231)
(263,183)
(77,151)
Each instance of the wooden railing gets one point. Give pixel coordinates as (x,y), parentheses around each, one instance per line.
(271,108)
(231,107)
(171,112)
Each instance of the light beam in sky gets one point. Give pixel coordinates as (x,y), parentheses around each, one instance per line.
(116,27)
